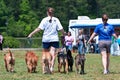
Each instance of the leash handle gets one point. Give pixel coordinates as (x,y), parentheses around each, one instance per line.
(29,41)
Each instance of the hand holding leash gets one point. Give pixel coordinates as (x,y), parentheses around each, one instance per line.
(29,40)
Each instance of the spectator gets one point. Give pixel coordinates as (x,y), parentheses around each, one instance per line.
(118,40)
(96,44)
(68,41)
(81,42)
(1,41)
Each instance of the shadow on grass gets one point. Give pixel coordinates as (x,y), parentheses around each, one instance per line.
(114,73)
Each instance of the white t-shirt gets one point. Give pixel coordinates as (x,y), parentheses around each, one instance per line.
(50,29)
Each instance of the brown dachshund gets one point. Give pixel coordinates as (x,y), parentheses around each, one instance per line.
(31,61)
(9,61)
(46,62)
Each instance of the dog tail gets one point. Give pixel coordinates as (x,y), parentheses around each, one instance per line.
(12,59)
(10,52)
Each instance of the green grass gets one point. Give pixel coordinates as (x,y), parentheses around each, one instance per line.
(93,69)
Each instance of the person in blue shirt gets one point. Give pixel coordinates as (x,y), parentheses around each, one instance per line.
(105,32)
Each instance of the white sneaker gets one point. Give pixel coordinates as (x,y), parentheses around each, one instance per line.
(106,72)
(51,69)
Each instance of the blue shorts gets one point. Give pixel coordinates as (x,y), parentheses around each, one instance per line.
(47,45)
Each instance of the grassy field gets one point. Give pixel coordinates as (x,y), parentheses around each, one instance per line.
(93,69)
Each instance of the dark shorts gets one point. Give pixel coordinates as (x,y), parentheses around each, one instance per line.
(104,46)
(47,45)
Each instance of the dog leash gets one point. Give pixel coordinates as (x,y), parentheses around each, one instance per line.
(29,41)
(87,48)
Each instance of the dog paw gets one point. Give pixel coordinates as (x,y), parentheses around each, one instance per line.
(82,72)
(44,72)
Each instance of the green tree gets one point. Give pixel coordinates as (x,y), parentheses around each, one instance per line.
(23,16)
(3,15)
(93,7)
(111,7)
(24,25)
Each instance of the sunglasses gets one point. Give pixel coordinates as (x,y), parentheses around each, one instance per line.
(104,19)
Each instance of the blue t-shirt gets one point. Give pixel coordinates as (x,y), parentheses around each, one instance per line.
(104,31)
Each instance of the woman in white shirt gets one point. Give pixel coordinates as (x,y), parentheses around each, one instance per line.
(50,41)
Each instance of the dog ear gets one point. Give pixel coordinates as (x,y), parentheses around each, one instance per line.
(37,58)
(4,54)
(9,50)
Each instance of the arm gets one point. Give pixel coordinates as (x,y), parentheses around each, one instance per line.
(35,31)
(84,40)
(115,36)
(77,40)
(72,40)
(92,36)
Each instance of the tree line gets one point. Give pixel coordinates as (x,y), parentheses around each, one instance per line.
(19,17)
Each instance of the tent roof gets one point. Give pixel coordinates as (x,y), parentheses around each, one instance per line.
(92,23)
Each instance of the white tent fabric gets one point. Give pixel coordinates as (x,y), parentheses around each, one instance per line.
(92,23)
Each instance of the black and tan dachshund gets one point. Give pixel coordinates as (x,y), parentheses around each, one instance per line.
(80,60)
(62,62)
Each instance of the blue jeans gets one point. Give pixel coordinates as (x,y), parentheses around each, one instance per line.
(81,48)
(68,47)
(97,48)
